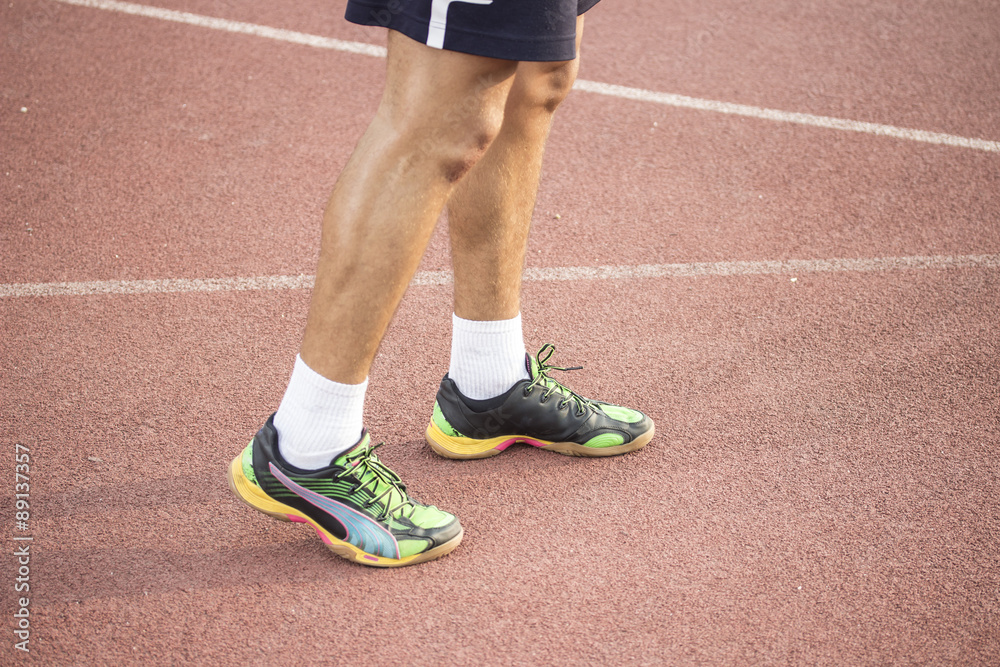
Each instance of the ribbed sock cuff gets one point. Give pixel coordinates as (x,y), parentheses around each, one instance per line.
(487,358)
(318,419)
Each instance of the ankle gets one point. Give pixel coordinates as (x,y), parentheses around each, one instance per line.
(318,419)
(487,357)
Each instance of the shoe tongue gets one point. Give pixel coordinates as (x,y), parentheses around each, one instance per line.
(532,365)
(340,459)
(535,369)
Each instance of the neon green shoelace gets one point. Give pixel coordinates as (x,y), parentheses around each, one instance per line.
(371,474)
(542,379)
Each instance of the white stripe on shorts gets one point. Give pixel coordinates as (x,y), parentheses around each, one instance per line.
(439,20)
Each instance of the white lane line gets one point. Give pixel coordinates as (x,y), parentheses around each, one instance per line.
(232,26)
(612,90)
(787,116)
(746,268)
(424,278)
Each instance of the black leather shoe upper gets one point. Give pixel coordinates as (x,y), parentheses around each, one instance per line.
(533,411)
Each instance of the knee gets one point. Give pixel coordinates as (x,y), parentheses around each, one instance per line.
(466,140)
(544,86)
(449,136)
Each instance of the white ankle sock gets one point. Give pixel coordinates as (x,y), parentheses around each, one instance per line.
(487,358)
(318,419)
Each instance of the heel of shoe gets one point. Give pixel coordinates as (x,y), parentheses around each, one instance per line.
(464,448)
(250,494)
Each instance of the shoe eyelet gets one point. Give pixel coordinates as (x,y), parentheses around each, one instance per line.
(527,392)
(562,405)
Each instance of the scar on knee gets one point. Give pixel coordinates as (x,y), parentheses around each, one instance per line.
(456,168)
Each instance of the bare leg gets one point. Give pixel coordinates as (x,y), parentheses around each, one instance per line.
(489,213)
(439,113)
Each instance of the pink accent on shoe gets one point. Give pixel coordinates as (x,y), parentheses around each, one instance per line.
(322,535)
(527,441)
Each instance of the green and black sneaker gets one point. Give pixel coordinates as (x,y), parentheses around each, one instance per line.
(538,411)
(356,505)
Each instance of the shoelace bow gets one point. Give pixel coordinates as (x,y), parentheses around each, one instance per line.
(552,385)
(368,471)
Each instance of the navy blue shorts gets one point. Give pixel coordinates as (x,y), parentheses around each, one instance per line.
(540,30)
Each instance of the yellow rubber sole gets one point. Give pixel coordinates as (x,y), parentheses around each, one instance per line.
(453,447)
(252,495)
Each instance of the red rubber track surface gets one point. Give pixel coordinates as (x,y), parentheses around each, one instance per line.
(823,485)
